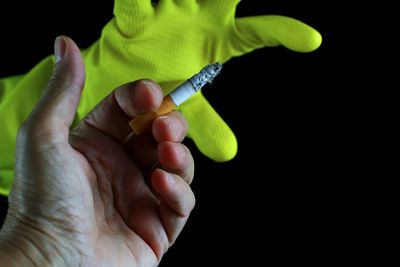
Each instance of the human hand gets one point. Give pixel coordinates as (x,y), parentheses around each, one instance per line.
(86,197)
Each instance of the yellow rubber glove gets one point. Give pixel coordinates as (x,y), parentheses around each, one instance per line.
(167,42)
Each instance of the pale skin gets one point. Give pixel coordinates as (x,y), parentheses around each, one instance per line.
(88,196)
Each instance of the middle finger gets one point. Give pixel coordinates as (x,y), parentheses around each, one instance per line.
(142,148)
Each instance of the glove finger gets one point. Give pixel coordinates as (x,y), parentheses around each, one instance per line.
(185,3)
(209,131)
(129,14)
(220,6)
(132,7)
(260,31)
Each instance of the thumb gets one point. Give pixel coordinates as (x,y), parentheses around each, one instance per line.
(58,102)
(272,30)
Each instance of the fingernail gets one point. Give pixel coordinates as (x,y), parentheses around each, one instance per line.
(59,48)
(153,87)
(170,178)
(182,152)
(173,125)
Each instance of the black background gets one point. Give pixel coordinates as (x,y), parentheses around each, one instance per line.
(280,200)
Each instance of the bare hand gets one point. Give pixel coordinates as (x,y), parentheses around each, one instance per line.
(84,197)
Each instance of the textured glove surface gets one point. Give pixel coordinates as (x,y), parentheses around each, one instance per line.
(167,42)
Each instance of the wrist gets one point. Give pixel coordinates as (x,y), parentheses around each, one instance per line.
(14,252)
(23,246)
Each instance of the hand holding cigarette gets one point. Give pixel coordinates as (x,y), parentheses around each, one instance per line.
(80,197)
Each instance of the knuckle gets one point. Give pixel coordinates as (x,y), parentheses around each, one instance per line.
(189,177)
(192,202)
(57,77)
(188,205)
(188,172)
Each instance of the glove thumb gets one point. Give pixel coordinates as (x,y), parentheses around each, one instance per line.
(272,30)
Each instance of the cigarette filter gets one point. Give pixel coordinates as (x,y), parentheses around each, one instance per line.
(179,95)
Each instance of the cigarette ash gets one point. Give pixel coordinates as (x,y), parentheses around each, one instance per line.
(206,75)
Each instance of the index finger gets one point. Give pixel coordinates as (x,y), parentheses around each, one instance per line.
(112,115)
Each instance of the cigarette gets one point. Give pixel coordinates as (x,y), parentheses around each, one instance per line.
(179,95)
